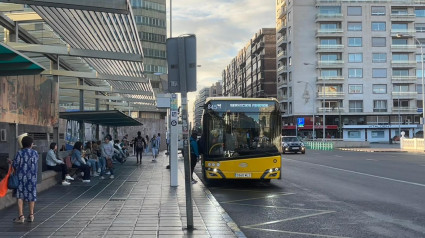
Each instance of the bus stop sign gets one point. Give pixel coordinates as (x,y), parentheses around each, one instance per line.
(300,122)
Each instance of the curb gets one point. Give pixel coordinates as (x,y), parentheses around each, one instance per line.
(230,223)
(374,150)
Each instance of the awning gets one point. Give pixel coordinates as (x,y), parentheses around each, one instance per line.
(104,118)
(14,63)
(310,127)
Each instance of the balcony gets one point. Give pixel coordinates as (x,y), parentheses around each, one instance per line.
(281,12)
(408,17)
(405,109)
(403,48)
(403,64)
(282,83)
(281,54)
(333,80)
(282,98)
(281,40)
(281,26)
(404,79)
(330,95)
(329,17)
(404,95)
(330,48)
(282,69)
(404,32)
(330,64)
(330,110)
(330,32)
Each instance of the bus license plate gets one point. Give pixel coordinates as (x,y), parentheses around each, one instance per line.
(243,175)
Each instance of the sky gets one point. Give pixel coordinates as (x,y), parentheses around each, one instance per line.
(222,28)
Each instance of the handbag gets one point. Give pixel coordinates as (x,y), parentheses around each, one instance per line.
(13,181)
(109,163)
(4,182)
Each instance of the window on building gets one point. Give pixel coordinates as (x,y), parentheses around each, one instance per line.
(328,41)
(329,10)
(379,42)
(419,73)
(399,41)
(354,134)
(403,88)
(379,57)
(355,106)
(378,11)
(420,12)
(355,41)
(399,11)
(354,26)
(400,57)
(418,58)
(420,27)
(329,57)
(379,73)
(399,26)
(380,106)
(400,72)
(379,88)
(329,73)
(355,73)
(377,134)
(290,61)
(355,58)
(419,88)
(354,11)
(355,89)
(379,26)
(329,26)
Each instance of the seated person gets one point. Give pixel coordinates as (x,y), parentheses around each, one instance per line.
(55,164)
(79,162)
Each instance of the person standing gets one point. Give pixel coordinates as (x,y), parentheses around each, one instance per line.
(78,161)
(154,145)
(140,143)
(55,164)
(194,154)
(147,144)
(107,149)
(25,167)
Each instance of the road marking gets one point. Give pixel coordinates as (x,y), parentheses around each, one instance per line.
(339,156)
(296,233)
(269,196)
(369,175)
(290,208)
(372,159)
(290,219)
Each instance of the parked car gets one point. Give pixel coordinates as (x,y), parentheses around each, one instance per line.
(292,144)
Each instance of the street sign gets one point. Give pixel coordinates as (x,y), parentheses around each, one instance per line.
(300,122)
(174,123)
(420,110)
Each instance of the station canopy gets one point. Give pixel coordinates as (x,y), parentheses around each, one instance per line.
(104,118)
(100,46)
(13,62)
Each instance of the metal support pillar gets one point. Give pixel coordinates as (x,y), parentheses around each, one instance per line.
(97,108)
(82,126)
(55,65)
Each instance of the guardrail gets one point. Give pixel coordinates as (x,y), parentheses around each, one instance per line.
(319,145)
(415,144)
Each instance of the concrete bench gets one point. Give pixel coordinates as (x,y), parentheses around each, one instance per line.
(49,179)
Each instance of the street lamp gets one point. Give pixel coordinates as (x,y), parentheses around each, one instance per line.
(324,105)
(314,114)
(422,77)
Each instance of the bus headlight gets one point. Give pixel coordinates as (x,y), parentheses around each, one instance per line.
(218,164)
(215,170)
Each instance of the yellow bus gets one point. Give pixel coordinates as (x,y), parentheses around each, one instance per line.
(241,139)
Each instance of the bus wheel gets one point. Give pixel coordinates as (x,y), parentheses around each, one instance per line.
(266,180)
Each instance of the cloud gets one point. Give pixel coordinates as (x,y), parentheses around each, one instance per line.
(222,28)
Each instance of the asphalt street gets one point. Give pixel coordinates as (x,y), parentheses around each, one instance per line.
(332,194)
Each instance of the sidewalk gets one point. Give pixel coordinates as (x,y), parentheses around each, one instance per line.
(139,202)
(378,147)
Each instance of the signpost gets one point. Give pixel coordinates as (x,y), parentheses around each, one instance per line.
(300,123)
(181,59)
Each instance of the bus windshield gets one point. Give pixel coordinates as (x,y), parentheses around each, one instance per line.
(233,135)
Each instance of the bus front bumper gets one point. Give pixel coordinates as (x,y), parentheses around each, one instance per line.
(215,173)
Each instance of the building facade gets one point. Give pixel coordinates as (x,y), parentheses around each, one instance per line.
(216,90)
(199,108)
(151,21)
(252,73)
(354,63)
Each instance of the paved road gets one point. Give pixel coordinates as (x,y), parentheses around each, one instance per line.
(333,194)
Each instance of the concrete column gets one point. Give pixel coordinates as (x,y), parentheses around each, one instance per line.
(11,138)
(55,65)
(97,105)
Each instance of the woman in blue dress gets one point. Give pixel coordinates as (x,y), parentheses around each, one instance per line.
(25,166)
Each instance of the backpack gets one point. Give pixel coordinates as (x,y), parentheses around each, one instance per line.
(139,143)
(153,143)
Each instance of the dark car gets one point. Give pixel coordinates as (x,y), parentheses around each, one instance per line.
(292,144)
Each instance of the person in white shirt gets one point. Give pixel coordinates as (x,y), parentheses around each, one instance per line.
(56,164)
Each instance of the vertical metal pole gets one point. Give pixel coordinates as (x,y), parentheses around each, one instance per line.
(55,65)
(423,90)
(82,126)
(324,110)
(186,148)
(97,108)
(171,18)
(399,119)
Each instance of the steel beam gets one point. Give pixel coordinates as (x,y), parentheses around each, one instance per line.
(94,75)
(68,51)
(102,97)
(104,89)
(116,6)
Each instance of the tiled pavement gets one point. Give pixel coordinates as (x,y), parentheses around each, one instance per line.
(139,202)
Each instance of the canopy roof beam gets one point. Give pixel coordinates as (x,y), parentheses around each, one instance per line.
(115,98)
(104,89)
(95,75)
(68,51)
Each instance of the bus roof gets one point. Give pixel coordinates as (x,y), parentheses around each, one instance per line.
(238,98)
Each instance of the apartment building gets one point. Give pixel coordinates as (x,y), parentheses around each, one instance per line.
(252,73)
(216,90)
(151,21)
(355,63)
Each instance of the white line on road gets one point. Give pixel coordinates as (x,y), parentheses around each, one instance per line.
(369,175)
